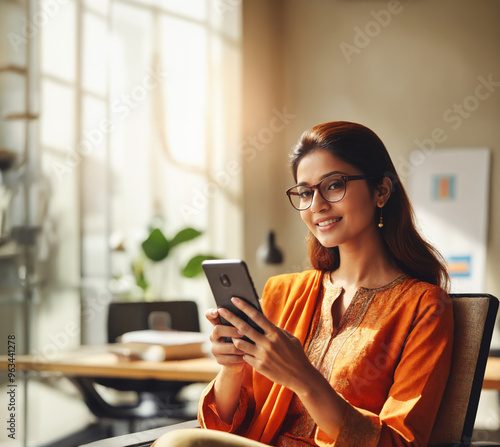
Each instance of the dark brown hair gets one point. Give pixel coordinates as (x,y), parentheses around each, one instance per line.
(362,148)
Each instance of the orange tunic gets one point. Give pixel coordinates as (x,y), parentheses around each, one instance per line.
(389,358)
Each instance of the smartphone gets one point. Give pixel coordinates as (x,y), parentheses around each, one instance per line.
(230,278)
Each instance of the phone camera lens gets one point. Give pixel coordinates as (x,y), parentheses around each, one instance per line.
(224,280)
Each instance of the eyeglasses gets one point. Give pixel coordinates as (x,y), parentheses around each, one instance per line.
(331,188)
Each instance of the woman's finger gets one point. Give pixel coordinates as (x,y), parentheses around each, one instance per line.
(242,327)
(221,332)
(226,354)
(254,314)
(212,315)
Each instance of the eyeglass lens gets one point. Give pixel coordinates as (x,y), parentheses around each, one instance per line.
(331,189)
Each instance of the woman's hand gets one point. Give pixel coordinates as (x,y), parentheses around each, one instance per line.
(276,354)
(227,386)
(226,354)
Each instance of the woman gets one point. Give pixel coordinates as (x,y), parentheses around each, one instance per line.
(356,351)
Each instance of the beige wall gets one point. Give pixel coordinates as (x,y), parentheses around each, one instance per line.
(424,58)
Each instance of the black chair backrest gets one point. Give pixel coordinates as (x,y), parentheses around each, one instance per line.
(134,316)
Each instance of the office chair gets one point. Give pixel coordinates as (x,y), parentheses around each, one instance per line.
(155,398)
(474,316)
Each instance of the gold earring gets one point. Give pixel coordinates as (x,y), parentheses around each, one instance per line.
(381,220)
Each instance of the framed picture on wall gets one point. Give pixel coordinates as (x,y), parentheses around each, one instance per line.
(449,189)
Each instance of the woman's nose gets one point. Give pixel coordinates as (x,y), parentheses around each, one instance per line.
(318,202)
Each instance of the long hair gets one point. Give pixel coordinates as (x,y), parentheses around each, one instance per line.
(362,148)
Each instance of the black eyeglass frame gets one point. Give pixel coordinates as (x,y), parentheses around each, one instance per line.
(345,178)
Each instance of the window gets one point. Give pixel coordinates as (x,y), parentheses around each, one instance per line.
(140,119)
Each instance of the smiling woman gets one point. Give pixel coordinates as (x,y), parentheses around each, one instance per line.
(359,149)
(357,350)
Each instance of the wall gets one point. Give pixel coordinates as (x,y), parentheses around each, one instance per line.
(395,66)
(262,129)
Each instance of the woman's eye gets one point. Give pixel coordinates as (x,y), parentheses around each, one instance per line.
(335,184)
(305,193)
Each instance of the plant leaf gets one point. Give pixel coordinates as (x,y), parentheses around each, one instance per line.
(184,235)
(193,267)
(156,247)
(141,281)
(138,270)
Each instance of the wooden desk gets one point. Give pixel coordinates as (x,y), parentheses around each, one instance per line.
(97,361)
(492,374)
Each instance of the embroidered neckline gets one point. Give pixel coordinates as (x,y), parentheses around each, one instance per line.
(327,282)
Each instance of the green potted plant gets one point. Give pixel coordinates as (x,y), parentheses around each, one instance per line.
(157,247)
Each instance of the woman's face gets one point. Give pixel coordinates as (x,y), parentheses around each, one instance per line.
(351,220)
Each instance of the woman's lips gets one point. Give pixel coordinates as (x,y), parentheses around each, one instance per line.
(328,222)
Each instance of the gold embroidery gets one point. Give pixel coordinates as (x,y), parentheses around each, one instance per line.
(322,346)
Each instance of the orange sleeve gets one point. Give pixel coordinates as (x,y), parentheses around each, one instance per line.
(208,417)
(408,414)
